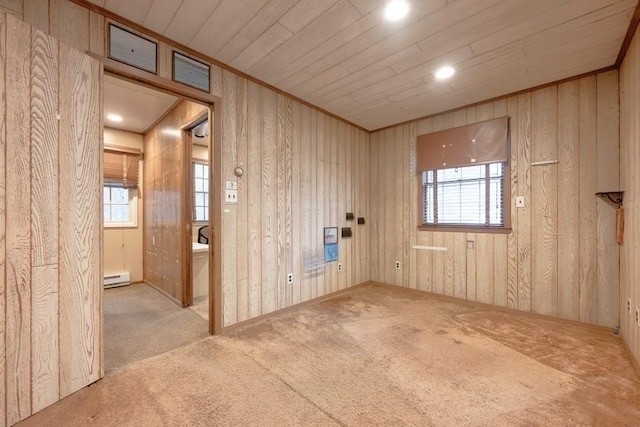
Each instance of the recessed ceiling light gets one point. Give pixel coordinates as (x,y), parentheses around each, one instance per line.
(445,72)
(114,118)
(396,10)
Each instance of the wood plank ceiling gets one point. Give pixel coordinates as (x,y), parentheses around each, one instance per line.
(341,55)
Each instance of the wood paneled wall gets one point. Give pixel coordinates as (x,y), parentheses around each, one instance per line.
(50,220)
(630,183)
(165,198)
(561,258)
(303,171)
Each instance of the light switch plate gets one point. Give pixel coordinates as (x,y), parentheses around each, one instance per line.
(231,185)
(520,202)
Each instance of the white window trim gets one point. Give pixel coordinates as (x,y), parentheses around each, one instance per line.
(133,212)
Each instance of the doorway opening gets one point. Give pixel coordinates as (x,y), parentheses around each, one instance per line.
(199,191)
(150,208)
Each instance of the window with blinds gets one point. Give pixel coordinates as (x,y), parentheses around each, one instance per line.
(464,196)
(465,176)
(120,201)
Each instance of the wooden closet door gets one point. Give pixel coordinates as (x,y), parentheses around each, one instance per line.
(50,220)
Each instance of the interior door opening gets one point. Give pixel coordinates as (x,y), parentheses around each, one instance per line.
(199,182)
(152,216)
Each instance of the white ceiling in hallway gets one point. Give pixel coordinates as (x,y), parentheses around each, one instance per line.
(341,55)
(139,106)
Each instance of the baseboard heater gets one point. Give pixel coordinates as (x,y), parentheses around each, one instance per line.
(115,280)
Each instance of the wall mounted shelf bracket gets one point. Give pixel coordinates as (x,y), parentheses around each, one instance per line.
(614,198)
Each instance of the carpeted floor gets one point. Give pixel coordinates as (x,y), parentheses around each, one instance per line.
(201,306)
(140,323)
(375,355)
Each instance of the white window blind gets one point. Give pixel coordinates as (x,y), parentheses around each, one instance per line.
(468,195)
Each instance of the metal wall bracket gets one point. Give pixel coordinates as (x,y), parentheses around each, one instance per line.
(614,198)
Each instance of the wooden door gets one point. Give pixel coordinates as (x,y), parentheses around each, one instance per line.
(50,220)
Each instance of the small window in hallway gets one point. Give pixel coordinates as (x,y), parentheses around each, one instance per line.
(201,192)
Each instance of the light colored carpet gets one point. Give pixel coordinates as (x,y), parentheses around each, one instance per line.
(375,355)
(201,306)
(140,323)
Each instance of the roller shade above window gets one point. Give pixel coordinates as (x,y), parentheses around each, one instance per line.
(476,144)
(121,169)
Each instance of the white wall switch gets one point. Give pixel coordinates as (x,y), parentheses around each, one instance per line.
(520,202)
(231,196)
(231,185)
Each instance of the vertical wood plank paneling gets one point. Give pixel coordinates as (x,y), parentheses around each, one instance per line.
(3,222)
(97,38)
(588,223)
(367,210)
(331,132)
(242,262)
(36,14)
(630,183)
(293,175)
(484,268)
(69,23)
(544,201)
(164,211)
(302,191)
(608,156)
(500,261)
(44,220)
(269,201)
(282,261)
(350,170)
(44,337)
(229,217)
(512,240)
(18,231)
(412,209)
(460,265)
(321,220)
(374,221)
(569,199)
(524,214)
(80,215)
(519,269)
(404,208)
(254,198)
(311,255)
(342,192)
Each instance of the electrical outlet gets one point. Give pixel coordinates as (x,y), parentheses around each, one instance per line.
(629,306)
(290,278)
(397,265)
(339,266)
(231,196)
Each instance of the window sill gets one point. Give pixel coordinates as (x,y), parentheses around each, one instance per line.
(120,225)
(464,229)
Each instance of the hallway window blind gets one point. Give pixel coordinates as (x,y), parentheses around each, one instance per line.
(121,169)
